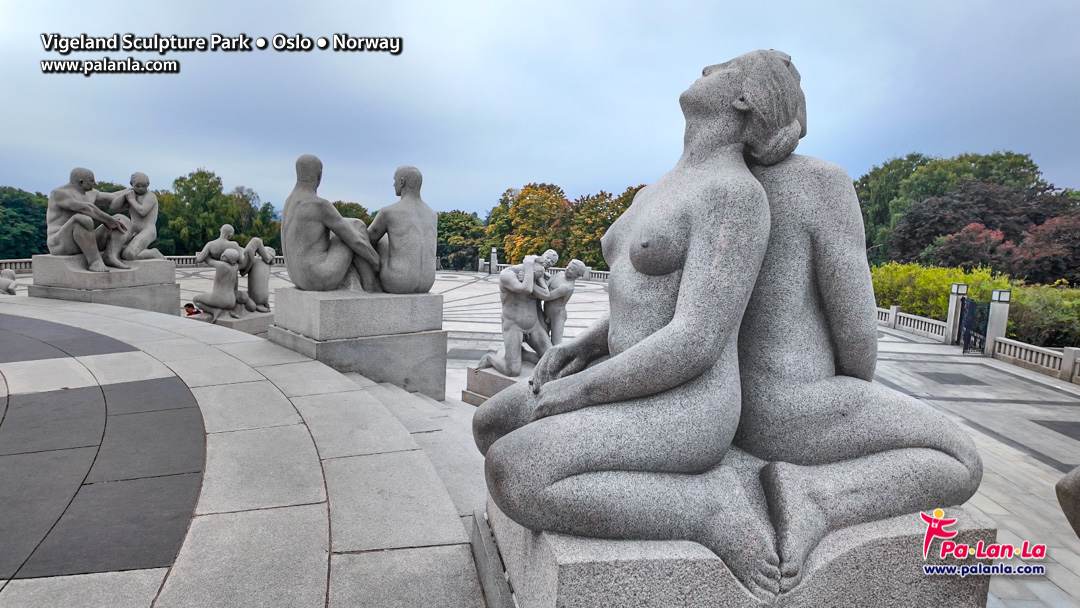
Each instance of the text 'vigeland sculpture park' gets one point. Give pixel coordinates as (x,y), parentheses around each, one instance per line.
(727,397)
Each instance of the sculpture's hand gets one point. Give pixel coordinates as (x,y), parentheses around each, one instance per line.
(557,397)
(112,224)
(558,362)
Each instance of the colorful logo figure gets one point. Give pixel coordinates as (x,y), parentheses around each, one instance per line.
(935,528)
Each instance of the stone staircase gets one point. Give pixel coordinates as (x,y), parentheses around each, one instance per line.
(429,494)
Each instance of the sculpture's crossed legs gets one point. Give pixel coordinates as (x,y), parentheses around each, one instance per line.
(632,470)
(843,451)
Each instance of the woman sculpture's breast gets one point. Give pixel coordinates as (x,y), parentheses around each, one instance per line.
(656,249)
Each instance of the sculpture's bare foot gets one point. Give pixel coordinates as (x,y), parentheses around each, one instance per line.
(741,534)
(800,521)
(262,308)
(485,361)
(115,262)
(98,266)
(217,315)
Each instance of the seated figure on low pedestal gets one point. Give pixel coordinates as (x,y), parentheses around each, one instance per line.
(406,234)
(321,247)
(726,398)
(225,297)
(70,216)
(7,281)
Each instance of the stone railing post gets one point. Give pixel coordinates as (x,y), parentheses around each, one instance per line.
(952,320)
(999,318)
(893,311)
(1068,362)
(493,266)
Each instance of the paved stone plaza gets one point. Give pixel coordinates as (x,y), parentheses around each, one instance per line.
(319,488)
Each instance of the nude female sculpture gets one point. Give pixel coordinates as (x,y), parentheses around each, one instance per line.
(225,295)
(632,411)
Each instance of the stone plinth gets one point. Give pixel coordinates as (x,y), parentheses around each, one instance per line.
(879,564)
(482,384)
(253,323)
(396,338)
(148,285)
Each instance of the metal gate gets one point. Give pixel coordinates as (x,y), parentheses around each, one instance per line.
(973,320)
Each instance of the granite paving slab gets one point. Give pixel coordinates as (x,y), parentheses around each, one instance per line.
(124,367)
(267,558)
(122,525)
(389,501)
(150,444)
(53,420)
(259,469)
(306,378)
(214,369)
(246,405)
(34,491)
(128,589)
(428,577)
(46,375)
(17,347)
(352,424)
(147,396)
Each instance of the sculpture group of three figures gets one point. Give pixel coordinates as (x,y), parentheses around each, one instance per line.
(727,397)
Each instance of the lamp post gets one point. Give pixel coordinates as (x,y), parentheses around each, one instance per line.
(999,318)
(957,292)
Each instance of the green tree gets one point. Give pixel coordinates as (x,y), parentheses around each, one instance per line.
(590,218)
(876,189)
(1011,210)
(498,225)
(22,223)
(356,210)
(539,215)
(460,228)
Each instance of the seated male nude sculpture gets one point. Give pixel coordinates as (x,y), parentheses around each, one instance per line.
(142,204)
(520,286)
(70,216)
(406,234)
(321,246)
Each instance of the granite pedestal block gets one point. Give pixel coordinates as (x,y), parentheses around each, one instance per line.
(396,338)
(482,384)
(878,564)
(253,323)
(148,285)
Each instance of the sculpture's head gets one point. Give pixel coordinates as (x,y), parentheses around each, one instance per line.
(575,269)
(407,178)
(139,183)
(762,89)
(230,256)
(309,169)
(8,273)
(271,252)
(549,258)
(83,179)
(227,231)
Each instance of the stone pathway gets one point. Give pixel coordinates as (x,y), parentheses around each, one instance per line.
(323,489)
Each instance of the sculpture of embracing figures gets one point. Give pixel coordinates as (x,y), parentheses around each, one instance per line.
(72,212)
(727,397)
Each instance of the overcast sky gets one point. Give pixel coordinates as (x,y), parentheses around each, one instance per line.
(492,95)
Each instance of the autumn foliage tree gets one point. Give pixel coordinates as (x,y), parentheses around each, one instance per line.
(540,219)
(591,216)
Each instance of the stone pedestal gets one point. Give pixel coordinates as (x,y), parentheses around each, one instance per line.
(396,338)
(879,564)
(482,384)
(253,323)
(148,285)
